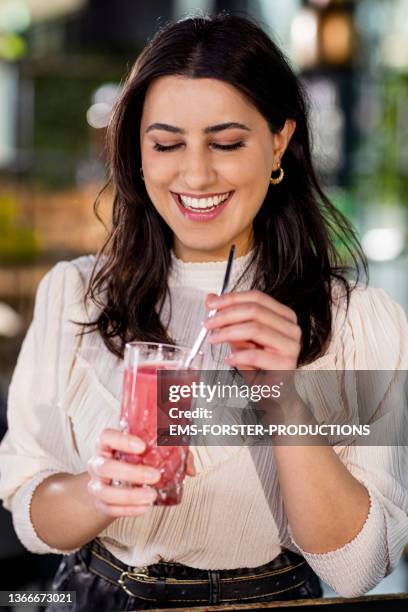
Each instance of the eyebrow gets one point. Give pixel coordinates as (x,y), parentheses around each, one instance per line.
(212,129)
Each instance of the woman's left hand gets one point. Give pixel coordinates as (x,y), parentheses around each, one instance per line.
(263,333)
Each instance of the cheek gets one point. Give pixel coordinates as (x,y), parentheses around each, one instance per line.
(252,170)
(160,178)
(253,178)
(158,168)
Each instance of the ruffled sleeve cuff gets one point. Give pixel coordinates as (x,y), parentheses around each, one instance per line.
(359,565)
(21,506)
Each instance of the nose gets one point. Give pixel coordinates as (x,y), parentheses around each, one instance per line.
(196,170)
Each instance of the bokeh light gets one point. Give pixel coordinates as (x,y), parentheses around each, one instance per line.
(383,244)
(14,16)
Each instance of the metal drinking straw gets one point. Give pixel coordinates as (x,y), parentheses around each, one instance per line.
(204,331)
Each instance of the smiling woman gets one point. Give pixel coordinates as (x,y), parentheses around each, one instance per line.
(212,109)
(209,147)
(217,166)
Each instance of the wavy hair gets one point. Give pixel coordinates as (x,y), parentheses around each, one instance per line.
(298,233)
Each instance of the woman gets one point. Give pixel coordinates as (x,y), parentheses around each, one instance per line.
(208,147)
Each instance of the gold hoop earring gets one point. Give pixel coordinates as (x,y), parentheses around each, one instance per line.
(278,179)
(141,174)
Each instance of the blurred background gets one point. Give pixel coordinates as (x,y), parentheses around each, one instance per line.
(62,63)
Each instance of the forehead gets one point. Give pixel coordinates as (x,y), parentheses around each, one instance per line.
(180,100)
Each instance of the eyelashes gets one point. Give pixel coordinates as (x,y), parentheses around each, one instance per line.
(231,147)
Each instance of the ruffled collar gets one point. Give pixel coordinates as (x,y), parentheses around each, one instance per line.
(209,275)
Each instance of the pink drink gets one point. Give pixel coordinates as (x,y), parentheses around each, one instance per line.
(139,418)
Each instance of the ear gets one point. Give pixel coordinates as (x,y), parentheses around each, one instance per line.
(281,141)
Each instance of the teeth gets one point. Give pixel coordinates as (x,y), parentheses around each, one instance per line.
(203,203)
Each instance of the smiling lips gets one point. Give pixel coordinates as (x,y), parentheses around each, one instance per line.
(202,208)
(202,203)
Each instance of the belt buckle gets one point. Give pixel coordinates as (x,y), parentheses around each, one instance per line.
(138,572)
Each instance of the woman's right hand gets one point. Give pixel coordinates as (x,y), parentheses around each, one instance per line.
(103,468)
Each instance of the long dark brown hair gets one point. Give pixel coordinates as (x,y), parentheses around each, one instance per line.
(297,231)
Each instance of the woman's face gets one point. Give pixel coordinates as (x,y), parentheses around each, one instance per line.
(207,157)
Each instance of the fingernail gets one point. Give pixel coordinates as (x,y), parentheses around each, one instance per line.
(98,461)
(137,445)
(152,475)
(213,301)
(150,495)
(95,485)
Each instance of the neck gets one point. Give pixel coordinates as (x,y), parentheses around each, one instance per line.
(207,275)
(187,254)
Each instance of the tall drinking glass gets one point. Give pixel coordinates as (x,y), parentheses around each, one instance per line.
(139,409)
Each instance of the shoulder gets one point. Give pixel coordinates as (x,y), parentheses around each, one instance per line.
(71,273)
(64,285)
(367,306)
(372,333)
(83,265)
(79,268)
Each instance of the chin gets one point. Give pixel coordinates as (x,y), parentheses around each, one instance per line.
(205,248)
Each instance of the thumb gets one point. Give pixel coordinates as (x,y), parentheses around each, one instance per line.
(190,470)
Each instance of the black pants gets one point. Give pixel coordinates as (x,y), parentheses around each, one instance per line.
(99,594)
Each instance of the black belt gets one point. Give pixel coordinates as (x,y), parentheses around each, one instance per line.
(217,586)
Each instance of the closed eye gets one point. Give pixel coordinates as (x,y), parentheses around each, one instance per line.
(230,147)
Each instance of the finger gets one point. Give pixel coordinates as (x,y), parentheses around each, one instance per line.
(122,496)
(110,469)
(256,332)
(190,468)
(237,346)
(252,311)
(260,359)
(237,297)
(114,439)
(118,511)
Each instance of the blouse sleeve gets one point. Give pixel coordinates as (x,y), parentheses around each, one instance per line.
(39,441)
(373,337)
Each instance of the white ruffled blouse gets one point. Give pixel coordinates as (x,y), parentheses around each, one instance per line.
(66,388)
